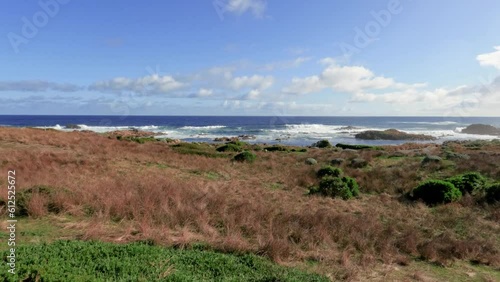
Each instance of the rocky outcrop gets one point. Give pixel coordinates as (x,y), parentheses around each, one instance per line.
(130,133)
(72,126)
(481,129)
(392,134)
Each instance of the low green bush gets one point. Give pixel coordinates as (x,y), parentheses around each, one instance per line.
(229,148)
(471,182)
(433,192)
(352,184)
(245,156)
(322,144)
(276,148)
(331,186)
(493,193)
(357,147)
(329,171)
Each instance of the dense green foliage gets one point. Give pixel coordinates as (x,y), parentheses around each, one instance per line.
(329,171)
(471,182)
(331,186)
(493,193)
(276,148)
(434,192)
(356,147)
(352,185)
(96,261)
(245,156)
(229,148)
(322,144)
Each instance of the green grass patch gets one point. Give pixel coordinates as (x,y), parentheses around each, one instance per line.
(97,261)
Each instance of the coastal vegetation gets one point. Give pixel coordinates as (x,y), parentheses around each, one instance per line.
(183,208)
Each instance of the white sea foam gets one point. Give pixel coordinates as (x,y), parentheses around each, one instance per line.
(209,127)
(426,122)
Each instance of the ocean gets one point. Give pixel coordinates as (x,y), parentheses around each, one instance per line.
(278,129)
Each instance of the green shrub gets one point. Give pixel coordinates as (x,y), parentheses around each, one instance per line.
(493,193)
(352,184)
(434,192)
(329,171)
(331,186)
(229,148)
(357,147)
(471,182)
(238,143)
(322,144)
(245,156)
(276,148)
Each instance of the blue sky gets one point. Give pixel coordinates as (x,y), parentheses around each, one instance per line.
(250,57)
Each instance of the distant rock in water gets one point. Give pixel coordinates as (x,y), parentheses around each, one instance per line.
(481,129)
(72,126)
(392,134)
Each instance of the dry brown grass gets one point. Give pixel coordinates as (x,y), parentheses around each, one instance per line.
(150,192)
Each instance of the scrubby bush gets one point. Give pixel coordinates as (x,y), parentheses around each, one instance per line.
(493,193)
(238,143)
(352,184)
(245,156)
(276,148)
(434,192)
(322,144)
(229,148)
(357,147)
(332,186)
(471,182)
(329,171)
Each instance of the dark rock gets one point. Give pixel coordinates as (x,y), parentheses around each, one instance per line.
(73,126)
(358,163)
(247,137)
(391,134)
(226,139)
(322,144)
(311,161)
(337,161)
(348,127)
(481,129)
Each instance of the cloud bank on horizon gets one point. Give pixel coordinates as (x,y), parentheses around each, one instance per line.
(252,59)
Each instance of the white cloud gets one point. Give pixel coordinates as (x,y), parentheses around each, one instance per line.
(203,92)
(346,79)
(257,7)
(147,85)
(490,59)
(256,82)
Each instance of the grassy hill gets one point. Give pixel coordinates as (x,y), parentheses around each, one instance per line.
(87,187)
